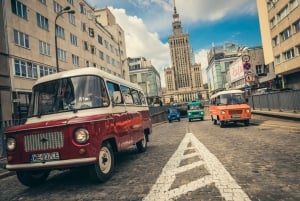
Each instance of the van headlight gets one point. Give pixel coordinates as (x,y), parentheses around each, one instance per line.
(81,135)
(223,112)
(10,144)
(247,110)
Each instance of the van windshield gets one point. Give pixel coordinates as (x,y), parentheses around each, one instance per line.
(231,99)
(68,94)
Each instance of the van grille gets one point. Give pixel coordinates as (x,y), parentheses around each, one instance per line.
(235,111)
(42,141)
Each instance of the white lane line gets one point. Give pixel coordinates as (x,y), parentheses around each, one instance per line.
(227,186)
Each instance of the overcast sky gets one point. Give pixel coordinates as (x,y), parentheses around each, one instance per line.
(148,23)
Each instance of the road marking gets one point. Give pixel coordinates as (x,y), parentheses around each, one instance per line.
(218,175)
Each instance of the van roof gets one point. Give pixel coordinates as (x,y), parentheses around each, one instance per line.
(235,91)
(86,71)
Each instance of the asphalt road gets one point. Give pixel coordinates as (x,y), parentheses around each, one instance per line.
(189,161)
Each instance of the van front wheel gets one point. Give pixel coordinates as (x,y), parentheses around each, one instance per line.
(103,169)
(32,178)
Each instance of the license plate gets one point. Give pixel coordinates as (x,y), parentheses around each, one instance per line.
(235,116)
(44,157)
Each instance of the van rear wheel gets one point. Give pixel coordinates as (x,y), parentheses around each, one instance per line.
(103,169)
(141,145)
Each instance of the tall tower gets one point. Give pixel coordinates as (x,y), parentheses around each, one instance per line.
(180,52)
(184,78)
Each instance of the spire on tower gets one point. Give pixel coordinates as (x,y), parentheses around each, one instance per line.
(175,12)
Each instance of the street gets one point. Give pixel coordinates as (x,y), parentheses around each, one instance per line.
(189,161)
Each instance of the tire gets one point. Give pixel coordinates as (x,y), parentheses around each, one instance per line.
(222,124)
(103,169)
(190,120)
(141,145)
(246,122)
(215,122)
(201,118)
(32,178)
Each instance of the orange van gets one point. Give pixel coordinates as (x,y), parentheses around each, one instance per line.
(229,106)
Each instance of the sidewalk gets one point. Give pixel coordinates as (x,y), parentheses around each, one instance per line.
(289,115)
(255,120)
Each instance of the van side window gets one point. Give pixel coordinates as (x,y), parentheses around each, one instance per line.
(142,98)
(135,96)
(114,92)
(126,94)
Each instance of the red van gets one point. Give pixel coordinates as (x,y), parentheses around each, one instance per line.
(78,118)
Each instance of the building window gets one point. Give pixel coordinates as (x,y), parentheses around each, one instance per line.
(101,55)
(45,70)
(75,60)
(62,54)
(296,26)
(91,32)
(19,9)
(282,13)
(112,48)
(72,18)
(57,7)
(285,34)
(82,9)
(44,48)
(108,59)
(293,4)
(289,54)
(100,40)
(83,27)
(93,49)
(73,39)
(106,44)
(43,1)
(25,69)
(21,39)
(42,22)
(71,2)
(277,59)
(85,45)
(275,41)
(60,32)
(272,22)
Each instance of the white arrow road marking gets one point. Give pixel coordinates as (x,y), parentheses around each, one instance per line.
(219,176)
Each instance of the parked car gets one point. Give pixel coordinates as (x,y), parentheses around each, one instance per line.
(173,114)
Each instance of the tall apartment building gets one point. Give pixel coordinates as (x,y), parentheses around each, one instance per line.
(142,72)
(87,38)
(280,32)
(183,79)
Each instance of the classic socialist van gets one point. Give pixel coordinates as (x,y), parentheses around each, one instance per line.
(78,118)
(229,106)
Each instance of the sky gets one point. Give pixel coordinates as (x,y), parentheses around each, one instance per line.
(148,24)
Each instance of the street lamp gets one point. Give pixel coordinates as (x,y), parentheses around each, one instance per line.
(65,10)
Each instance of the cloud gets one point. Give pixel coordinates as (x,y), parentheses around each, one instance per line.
(141,42)
(201,57)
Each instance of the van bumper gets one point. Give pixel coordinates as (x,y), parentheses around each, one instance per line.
(59,164)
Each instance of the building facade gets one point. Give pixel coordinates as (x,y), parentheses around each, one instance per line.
(35,33)
(280,32)
(142,72)
(233,67)
(183,80)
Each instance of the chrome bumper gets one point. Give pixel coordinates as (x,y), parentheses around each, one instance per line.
(52,164)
